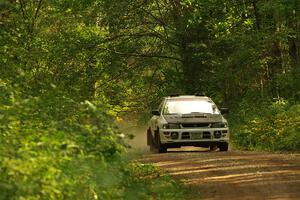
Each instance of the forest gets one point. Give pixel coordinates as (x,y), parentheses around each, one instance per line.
(71,70)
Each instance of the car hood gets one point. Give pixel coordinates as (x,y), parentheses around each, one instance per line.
(194,118)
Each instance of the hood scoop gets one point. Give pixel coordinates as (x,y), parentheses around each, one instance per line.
(194,116)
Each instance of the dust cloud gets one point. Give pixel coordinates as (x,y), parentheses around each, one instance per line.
(139,133)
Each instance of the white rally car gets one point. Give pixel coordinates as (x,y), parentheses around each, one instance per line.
(188,120)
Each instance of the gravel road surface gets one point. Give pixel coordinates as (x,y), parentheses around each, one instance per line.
(232,175)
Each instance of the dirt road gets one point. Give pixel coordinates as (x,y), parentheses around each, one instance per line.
(232,175)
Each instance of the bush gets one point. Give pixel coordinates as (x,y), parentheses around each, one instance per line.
(275,127)
(53,147)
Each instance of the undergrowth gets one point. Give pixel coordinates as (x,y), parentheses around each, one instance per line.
(267,126)
(53,146)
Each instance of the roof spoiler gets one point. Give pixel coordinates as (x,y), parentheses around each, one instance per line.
(174,95)
(196,94)
(200,94)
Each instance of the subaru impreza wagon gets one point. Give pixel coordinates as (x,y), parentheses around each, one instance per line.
(188,120)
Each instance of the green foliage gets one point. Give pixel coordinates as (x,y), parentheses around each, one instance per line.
(39,140)
(157,183)
(53,147)
(69,69)
(271,127)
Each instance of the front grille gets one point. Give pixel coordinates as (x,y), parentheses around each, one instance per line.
(195,125)
(185,135)
(206,135)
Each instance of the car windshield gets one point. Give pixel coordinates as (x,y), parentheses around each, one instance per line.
(189,106)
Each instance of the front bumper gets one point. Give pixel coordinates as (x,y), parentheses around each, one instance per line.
(194,135)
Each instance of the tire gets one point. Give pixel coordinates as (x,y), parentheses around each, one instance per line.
(213,147)
(152,148)
(160,147)
(149,137)
(223,146)
(150,142)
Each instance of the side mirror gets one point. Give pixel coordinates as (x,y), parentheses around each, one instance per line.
(155,112)
(224,110)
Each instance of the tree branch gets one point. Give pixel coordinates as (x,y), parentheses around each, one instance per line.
(22,9)
(36,15)
(142,55)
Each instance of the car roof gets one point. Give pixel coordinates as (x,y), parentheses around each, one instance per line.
(187,97)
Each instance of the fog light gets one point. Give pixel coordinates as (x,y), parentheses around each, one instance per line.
(217,134)
(174,135)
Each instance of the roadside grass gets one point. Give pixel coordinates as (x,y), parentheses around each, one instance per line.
(145,181)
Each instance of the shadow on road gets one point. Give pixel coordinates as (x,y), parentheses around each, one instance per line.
(232,175)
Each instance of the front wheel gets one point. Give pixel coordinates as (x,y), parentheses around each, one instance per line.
(160,147)
(213,147)
(150,140)
(223,146)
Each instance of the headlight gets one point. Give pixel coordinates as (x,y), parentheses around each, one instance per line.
(219,125)
(171,126)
